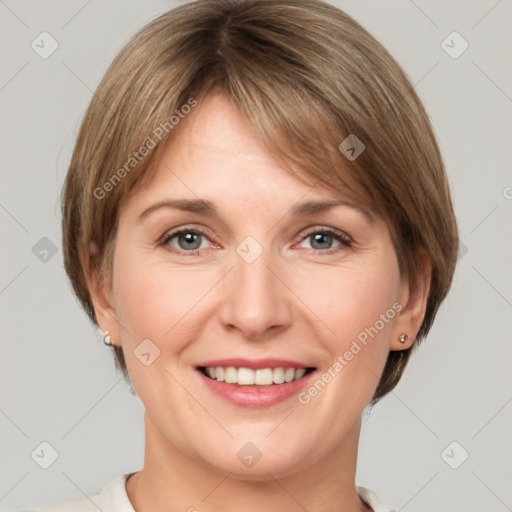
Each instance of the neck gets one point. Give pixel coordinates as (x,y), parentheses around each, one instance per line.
(173,480)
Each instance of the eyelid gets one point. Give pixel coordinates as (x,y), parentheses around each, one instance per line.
(319,228)
(186,228)
(345,238)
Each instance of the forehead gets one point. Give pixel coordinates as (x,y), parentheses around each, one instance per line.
(214,150)
(216,141)
(216,158)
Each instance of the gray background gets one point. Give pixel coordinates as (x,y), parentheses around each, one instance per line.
(58,382)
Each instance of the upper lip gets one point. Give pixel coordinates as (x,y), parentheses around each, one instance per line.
(254,364)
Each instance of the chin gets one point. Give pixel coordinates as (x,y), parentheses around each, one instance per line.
(260,459)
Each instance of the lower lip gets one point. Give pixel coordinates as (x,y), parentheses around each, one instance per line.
(256,396)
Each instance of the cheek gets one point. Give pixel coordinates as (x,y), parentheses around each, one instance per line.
(158,304)
(355,308)
(351,298)
(156,300)
(355,357)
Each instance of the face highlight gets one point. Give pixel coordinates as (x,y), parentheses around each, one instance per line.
(218,259)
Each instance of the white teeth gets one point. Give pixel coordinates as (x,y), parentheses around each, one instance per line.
(249,377)
(289,374)
(230,375)
(299,373)
(263,377)
(245,377)
(278,375)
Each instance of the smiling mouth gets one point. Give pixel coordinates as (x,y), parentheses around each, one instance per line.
(249,377)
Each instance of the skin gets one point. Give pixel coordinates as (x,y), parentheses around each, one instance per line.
(294,301)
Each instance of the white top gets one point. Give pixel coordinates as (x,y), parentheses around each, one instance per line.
(113,498)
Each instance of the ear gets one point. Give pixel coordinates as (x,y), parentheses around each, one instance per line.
(413,299)
(101,295)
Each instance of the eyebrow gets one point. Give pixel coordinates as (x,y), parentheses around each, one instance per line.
(207,208)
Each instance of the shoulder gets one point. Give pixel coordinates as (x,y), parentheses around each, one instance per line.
(372,500)
(112,498)
(90,503)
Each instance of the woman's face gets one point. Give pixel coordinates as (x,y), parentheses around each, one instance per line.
(249,283)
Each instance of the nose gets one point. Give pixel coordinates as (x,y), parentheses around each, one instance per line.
(256,300)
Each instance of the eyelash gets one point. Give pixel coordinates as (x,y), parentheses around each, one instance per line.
(344,239)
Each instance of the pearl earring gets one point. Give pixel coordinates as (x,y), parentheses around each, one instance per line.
(107,340)
(403,338)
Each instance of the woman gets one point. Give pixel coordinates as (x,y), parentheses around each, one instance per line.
(228,142)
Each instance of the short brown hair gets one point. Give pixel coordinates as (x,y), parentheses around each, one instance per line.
(306,76)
